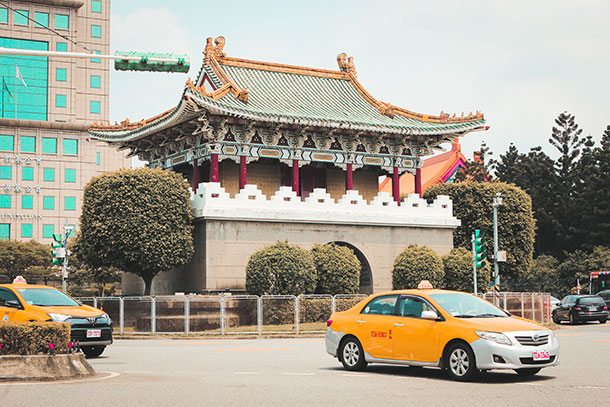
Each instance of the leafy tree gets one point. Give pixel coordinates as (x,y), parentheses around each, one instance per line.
(414,264)
(138,221)
(338,269)
(281,269)
(84,281)
(458,272)
(534,173)
(577,265)
(479,169)
(29,259)
(543,276)
(472,204)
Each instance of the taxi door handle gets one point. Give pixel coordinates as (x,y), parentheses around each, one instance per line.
(397,324)
(361,322)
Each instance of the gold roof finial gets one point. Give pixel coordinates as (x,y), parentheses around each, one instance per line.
(346,64)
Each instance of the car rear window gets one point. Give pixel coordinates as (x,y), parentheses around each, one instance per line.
(591,301)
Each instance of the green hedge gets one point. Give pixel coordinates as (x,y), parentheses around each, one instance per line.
(414,264)
(36,336)
(458,272)
(338,269)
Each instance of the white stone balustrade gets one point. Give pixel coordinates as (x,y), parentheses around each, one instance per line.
(211,201)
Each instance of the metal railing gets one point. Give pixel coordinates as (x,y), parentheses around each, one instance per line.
(267,314)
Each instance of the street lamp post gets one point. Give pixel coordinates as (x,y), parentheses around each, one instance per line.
(496,202)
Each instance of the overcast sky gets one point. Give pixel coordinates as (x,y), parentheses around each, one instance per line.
(521,63)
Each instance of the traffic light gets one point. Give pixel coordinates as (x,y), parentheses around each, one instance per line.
(150,61)
(480,248)
(59,252)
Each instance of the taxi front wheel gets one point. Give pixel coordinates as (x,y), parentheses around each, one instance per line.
(352,355)
(93,351)
(460,362)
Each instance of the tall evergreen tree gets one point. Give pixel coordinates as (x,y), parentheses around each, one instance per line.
(479,169)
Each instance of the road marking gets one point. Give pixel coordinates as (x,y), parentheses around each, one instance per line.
(250,349)
(137,371)
(568,334)
(355,375)
(601,340)
(111,375)
(591,387)
(298,374)
(529,384)
(247,373)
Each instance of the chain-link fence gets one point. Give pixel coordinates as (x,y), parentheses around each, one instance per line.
(250,314)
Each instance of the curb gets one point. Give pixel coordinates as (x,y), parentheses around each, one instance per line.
(44,367)
(216,337)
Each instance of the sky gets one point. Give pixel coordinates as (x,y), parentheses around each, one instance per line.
(521,63)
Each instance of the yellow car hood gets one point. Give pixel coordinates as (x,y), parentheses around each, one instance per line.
(501,324)
(82,311)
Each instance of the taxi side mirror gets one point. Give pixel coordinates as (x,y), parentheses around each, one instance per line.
(12,304)
(429,315)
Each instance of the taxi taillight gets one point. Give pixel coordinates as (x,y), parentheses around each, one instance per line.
(329,322)
(605,308)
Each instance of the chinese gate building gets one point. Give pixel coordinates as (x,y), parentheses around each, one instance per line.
(279,152)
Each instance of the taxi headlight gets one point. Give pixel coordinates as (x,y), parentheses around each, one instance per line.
(107,317)
(494,337)
(59,317)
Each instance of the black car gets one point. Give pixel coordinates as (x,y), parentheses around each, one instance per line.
(605,296)
(579,308)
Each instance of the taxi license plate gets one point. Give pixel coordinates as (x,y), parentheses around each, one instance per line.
(94,333)
(542,355)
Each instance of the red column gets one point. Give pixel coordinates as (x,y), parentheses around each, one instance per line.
(295,176)
(396,186)
(418,181)
(196,176)
(349,183)
(214,167)
(242,172)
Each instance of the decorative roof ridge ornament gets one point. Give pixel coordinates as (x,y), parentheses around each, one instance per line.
(214,51)
(346,64)
(212,55)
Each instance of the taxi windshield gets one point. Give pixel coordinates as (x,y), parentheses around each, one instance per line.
(47,297)
(467,306)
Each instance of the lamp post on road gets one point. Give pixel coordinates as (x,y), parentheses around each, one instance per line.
(496,202)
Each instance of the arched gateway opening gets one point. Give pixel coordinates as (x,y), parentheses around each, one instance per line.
(366,276)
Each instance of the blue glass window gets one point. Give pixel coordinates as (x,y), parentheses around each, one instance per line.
(70,175)
(96,6)
(96,31)
(21,17)
(96,60)
(70,203)
(26,230)
(48,202)
(97,158)
(27,173)
(94,107)
(95,81)
(49,145)
(49,174)
(3,15)
(5,231)
(31,99)
(5,201)
(60,100)
(70,146)
(28,144)
(48,230)
(61,74)
(62,21)
(6,172)
(7,143)
(61,47)
(41,19)
(27,202)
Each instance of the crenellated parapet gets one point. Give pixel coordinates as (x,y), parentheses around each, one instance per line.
(211,201)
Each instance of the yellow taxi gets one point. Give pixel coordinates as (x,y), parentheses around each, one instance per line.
(22,302)
(458,332)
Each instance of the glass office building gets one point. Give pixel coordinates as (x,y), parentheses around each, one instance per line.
(47,105)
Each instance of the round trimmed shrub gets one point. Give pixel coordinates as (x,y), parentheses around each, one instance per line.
(414,264)
(458,272)
(281,269)
(338,269)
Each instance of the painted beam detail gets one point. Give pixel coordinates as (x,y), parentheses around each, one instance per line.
(211,201)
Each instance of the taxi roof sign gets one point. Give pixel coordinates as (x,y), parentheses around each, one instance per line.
(19,280)
(425,285)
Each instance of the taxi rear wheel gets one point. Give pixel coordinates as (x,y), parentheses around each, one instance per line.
(352,355)
(460,362)
(93,351)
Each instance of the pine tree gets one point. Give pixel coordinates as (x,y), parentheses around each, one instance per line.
(477,170)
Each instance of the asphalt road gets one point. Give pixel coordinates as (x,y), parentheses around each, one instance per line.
(270,372)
